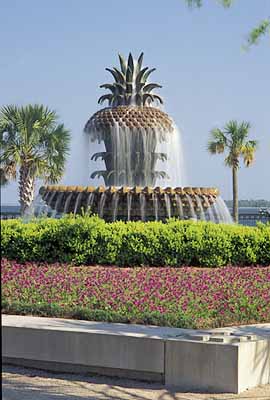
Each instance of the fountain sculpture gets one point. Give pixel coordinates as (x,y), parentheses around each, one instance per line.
(138,138)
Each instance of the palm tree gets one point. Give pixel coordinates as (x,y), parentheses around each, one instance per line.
(34,145)
(233,139)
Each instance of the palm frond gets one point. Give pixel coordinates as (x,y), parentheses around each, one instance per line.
(248,152)
(217,142)
(215,147)
(8,171)
(219,136)
(232,160)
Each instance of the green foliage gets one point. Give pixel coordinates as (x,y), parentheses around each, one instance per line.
(90,240)
(31,138)
(254,36)
(262,29)
(199,3)
(233,138)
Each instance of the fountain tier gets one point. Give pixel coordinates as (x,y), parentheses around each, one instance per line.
(136,203)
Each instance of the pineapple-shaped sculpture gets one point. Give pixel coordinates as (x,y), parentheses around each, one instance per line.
(131,127)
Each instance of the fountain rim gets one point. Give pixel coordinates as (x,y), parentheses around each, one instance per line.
(186,190)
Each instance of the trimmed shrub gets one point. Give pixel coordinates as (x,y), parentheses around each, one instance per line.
(90,240)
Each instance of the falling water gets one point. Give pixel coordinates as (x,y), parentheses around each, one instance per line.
(209,209)
(30,211)
(168,204)
(155,203)
(139,156)
(179,206)
(39,205)
(90,200)
(129,202)
(101,204)
(78,202)
(47,195)
(57,204)
(67,202)
(115,198)
(46,210)
(142,206)
(199,202)
(174,165)
(223,211)
(42,209)
(192,211)
(50,200)
(215,211)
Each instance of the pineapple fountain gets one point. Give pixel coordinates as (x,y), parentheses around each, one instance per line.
(138,138)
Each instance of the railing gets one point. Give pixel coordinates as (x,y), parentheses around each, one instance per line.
(10,215)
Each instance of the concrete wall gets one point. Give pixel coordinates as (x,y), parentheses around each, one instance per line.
(209,367)
(210,362)
(89,349)
(253,364)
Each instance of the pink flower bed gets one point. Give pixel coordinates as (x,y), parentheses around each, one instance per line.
(197,297)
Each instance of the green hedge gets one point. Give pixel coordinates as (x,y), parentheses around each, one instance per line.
(90,240)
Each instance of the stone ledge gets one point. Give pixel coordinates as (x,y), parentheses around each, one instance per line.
(218,360)
(84,348)
(211,366)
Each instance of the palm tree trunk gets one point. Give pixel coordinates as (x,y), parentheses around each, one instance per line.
(235,194)
(26,188)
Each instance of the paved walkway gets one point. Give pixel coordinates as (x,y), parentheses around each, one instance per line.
(29,384)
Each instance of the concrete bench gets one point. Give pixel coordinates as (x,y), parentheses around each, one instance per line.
(218,360)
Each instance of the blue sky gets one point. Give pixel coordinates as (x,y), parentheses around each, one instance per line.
(55,52)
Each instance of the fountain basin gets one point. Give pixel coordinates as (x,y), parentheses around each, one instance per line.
(136,203)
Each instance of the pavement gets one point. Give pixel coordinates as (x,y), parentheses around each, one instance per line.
(29,384)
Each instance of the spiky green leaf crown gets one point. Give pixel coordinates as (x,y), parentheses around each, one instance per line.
(130,86)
